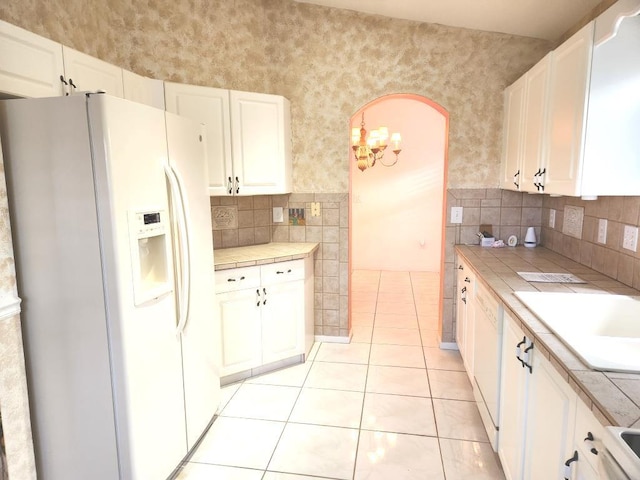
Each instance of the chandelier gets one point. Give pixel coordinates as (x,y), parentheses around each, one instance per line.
(369,151)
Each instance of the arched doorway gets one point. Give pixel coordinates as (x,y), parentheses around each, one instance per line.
(397,212)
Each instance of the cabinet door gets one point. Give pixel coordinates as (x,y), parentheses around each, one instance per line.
(469,282)
(584,471)
(240,323)
(211,107)
(261,126)
(587,440)
(569,86)
(31,65)
(461,308)
(513,403)
(147,91)
(88,73)
(533,142)
(283,321)
(550,422)
(514,97)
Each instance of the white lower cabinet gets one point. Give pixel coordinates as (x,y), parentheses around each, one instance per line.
(537,411)
(264,314)
(587,441)
(465,315)
(282,325)
(240,322)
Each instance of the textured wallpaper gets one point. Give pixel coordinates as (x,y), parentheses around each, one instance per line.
(328,62)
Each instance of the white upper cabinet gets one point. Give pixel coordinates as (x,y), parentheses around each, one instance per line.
(568,94)
(524,159)
(211,107)
(571,122)
(34,66)
(31,65)
(261,139)
(248,137)
(534,158)
(612,144)
(147,91)
(514,97)
(86,73)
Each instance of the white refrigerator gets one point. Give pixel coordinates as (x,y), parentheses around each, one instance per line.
(114,257)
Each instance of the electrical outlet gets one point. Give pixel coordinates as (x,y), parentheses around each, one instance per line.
(552,218)
(456,214)
(602,230)
(630,238)
(315,209)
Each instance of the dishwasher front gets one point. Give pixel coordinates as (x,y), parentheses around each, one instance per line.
(487,359)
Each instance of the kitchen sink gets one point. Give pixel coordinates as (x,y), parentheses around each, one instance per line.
(602,329)
(623,446)
(632,438)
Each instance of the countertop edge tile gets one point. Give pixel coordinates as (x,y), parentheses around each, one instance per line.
(611,404)
(225,258)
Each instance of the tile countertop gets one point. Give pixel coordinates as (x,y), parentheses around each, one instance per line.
(613,397)
(225,258)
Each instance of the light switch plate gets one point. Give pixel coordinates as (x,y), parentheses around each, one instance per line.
(278,215)
(602,230)
(630,238)
(456,214)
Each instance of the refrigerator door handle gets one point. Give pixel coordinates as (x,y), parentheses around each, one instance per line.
(179,209)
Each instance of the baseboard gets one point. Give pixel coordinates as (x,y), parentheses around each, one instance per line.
(449,346)
(332,339)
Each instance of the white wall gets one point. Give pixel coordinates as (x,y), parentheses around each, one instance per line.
(397,211)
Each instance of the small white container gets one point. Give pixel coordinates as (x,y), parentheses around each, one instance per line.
(530,238)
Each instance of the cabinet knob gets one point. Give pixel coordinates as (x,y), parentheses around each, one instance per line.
(515,179)
(237,185)
(281,273)
(467,279)
(460,267)
(589,439)
(230,185)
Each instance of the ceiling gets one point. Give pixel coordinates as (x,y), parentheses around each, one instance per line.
(547,19)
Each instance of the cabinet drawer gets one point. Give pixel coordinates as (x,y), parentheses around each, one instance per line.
(237,279)
(282,272)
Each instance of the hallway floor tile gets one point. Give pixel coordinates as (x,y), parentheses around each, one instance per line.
(391,405)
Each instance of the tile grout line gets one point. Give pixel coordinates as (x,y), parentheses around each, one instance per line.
(266,469)
(433,409)
(366,378)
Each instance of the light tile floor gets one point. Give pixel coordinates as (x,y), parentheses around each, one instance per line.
(390,405)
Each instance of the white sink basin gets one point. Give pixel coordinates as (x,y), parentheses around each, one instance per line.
(604,330)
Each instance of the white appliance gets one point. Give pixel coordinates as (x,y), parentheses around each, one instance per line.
(114,255)
(487,360)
